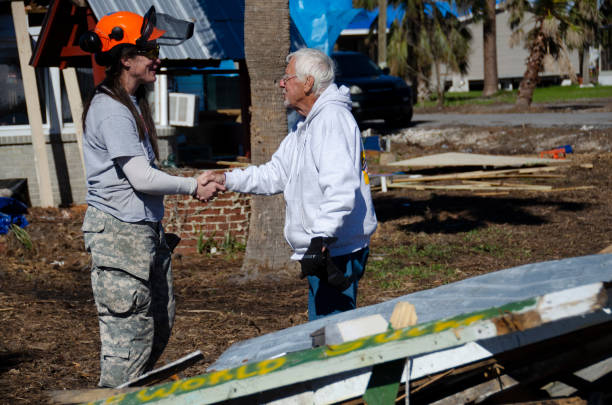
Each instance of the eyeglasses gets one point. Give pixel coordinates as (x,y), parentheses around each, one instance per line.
(286,78)
(151,53)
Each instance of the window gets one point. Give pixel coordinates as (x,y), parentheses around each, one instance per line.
(215,91)
(13,105)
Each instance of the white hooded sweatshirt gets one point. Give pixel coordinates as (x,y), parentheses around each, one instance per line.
(320,170)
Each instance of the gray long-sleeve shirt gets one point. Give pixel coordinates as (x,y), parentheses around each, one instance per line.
(110,140)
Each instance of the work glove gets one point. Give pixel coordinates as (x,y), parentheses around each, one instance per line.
(316,262)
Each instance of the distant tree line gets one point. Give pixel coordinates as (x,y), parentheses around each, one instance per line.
(427,38)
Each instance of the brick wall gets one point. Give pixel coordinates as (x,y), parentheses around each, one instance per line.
(189,218)
(226,215)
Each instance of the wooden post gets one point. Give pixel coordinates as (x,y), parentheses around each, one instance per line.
(76,108)
(28,76)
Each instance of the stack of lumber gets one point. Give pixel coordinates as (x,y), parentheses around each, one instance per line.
(485,182)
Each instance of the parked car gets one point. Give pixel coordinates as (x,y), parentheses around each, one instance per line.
(375,94)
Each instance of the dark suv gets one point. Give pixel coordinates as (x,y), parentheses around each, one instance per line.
(374,93)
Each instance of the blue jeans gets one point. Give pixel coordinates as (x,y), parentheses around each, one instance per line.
(324,300)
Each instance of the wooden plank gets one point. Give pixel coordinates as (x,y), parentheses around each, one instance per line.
(477,174)
(471,394)
(76,108)
(579,188)
(456,159)
(84,396)
(166,371)
(232,164)
(28,75)
(502,183)
(470,187)
(377,349)
(403,315)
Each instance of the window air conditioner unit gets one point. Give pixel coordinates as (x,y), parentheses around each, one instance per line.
(182,109)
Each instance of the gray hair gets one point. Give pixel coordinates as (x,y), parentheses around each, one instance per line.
(312,62)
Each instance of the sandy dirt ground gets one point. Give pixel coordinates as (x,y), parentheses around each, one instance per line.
(48,325)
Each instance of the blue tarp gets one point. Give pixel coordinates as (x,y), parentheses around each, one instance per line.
(320,22)
(12,211)
(465,296)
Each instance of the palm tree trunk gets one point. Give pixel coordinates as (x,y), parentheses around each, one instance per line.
(489,37)
(439,85)
(423,91)
(382,33)
(586,73)
(266,45)
(530,79)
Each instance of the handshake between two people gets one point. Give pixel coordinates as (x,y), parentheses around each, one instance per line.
(209,185)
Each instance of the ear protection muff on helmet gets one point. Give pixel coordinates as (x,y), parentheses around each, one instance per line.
(90,42)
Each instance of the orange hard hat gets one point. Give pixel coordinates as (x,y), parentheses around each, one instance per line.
(122,27)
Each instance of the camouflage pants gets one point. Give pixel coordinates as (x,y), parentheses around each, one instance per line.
(131,279)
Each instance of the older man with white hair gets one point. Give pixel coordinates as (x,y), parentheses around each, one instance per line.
(320,167)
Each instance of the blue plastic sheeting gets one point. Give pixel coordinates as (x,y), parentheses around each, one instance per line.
(12,212)
(320,22)
(473,294)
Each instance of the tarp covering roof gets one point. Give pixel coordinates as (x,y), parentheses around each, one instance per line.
(218,31)
(320,22)
(465,296)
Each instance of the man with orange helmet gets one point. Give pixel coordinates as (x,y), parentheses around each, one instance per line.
(131,270)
